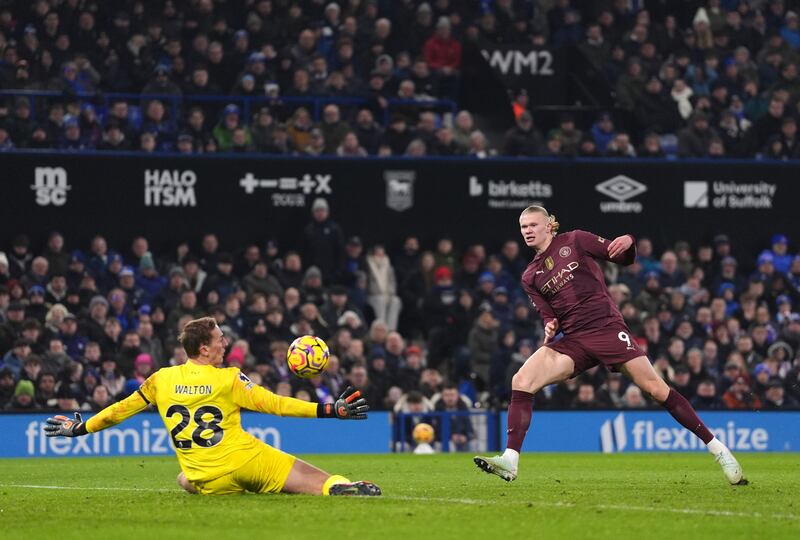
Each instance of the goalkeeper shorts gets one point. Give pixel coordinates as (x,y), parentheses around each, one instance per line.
(265,473)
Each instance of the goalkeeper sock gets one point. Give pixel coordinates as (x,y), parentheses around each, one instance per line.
(332,480)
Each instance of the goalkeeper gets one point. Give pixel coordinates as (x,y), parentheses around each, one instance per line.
(200,403)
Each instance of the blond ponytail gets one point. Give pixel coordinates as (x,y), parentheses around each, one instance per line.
(554,225)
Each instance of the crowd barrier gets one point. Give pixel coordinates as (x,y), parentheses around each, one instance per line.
(591,431)
(178,105)
(484,437)
(172,199)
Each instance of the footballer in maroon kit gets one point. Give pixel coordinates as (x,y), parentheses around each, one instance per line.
(566,285)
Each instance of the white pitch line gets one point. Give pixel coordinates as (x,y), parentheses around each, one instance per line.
(543,504)
(562,504)
(78,488)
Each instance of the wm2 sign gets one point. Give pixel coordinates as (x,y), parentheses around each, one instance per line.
(540,71)
(520,63)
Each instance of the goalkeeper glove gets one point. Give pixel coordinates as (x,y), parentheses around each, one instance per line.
(349,406)
(63,426)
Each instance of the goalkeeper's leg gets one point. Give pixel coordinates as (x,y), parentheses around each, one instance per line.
(306,479)
(185,484)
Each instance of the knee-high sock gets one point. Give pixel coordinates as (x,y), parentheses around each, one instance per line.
(519,418)
(682,411)
(333,479)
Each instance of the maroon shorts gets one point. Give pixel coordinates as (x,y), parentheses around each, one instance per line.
(610,346)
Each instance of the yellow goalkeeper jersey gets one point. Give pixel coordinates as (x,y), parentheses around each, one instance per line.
(200,407)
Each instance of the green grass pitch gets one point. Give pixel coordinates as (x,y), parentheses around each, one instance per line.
(646,496)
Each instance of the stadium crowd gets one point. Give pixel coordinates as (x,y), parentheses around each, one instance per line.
(415,330)
(716,78)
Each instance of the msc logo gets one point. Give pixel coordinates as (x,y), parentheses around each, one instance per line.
(169,188)
(50,185)
(621,188)
(695,194)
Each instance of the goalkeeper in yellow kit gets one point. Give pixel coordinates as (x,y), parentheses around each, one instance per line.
(200,402)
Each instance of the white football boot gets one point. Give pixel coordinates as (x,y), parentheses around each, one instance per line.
(730,467)
(496,465)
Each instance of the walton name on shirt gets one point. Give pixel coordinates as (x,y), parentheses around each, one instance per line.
(191,390)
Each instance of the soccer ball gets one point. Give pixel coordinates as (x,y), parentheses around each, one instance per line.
(308,356)
(423,433)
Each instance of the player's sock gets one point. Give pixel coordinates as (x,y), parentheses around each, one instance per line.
(519,420)
(333,479)
(682,411)
(512,458)
(715,446)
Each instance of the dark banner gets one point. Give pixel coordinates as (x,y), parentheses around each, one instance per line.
(170,199)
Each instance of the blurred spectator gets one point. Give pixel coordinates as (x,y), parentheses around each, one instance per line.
(443,54)
(694,140)
(620,146)
(8,386)
(416,407)
(740,396)
(464,126)
(651,147)
(317,143)
(350,146)
(569,135)
(398,136)
(482,342)
(585,398)
(367,131)
(23,399)
(706,397)
(324,241)
(479,146)
(333,128)
(781,259)
(603,132)
(383,287)
(299,128)
(460,426)
(225,130)
(611,392)
(523,139)
(633,398)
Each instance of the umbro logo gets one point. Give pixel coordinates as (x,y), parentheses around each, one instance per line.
(621,188)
